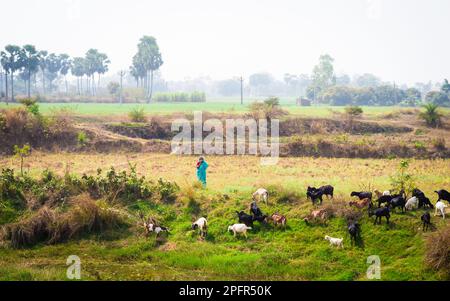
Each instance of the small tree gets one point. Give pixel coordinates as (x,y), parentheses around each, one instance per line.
(431,115)
(403,180)
(22,153)
(352,112)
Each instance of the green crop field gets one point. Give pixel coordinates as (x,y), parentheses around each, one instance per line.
(213,106)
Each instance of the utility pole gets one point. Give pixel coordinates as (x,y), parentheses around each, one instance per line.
(242,90)
(121,74)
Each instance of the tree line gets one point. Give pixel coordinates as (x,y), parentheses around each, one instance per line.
(31,65)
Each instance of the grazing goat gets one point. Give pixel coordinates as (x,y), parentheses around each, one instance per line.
(245,218)
(338,242)
(239,228)
(261,194)
(257,213)
(201,224)
(441,207)
(423,200)
(151,225)
(412,203)
(321,214)
(380,212)
(443,195)
(362,195)
(380,194)
(398,201)
(278,219)
(384,199)
(364,203)
(354,230)
(426,220)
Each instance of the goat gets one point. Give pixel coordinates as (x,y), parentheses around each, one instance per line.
(412,203)
(426,220)
(398,201)
(321,214)
(364,203)
(380,194)
(201,224)
(441,207)
(339,242)
(443,195)
(362,195)
(354,230)
(380,212)
(239,228)
(423,200)
(245,218)
(151,225)
(261,194)
(278,219)
(384,199)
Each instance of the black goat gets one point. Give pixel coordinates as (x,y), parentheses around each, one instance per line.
(443,195)
(380,212)
(423,200)
(355,231)
(398,201)
(245,218)
(426,220)
(317,194)
(384,199)
(362,195)
(257,213)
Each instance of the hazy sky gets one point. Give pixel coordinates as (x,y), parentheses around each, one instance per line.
(401,40)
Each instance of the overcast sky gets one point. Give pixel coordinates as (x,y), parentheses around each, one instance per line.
(402,40)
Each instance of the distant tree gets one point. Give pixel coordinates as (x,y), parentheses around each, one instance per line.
(445,87)
(322,77)
(43,66)
(11,61)
(147,60)
(52,67)
(438,98)
(114,88)
(337,96)
(431,115)
(229,87)
(367,80)
(66,64)
(78,70)
(259,80)
(343,80)
(413,97)
(30,58)
(389,95)
(364,96)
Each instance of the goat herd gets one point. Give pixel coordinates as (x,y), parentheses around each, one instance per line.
(386,202)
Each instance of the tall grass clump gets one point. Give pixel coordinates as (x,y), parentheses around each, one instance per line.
(438,251)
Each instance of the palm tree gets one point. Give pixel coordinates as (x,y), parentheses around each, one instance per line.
(66,64)
(11,56)
(431,115)
(30,59)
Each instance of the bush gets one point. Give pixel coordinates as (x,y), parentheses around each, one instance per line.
(431,115)
(438,250)
(137,115)
(82,138)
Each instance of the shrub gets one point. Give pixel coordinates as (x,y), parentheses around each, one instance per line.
(82,138)
(167,190)
(137,115)
(438,250)
(431,115)
(439,144)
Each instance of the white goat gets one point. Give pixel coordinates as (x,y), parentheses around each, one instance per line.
(441,207)
(239,228)
(201,224)
(387,192)
(335,241)
(261,193)
(412,203)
